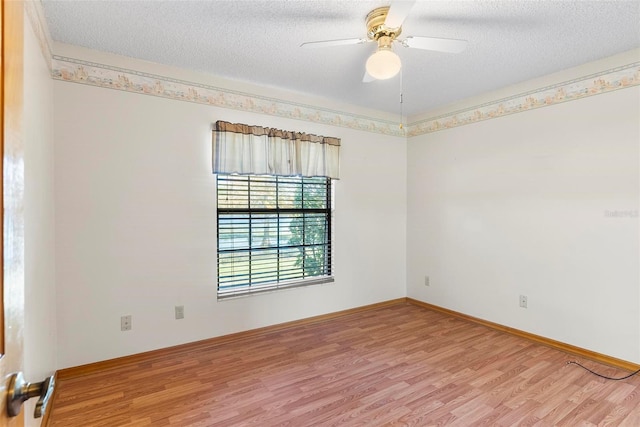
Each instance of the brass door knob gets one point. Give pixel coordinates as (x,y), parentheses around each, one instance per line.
(19,391)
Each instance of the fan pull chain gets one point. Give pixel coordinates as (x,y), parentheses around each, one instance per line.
(401,104)
(401,125)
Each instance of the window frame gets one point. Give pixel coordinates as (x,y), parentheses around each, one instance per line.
(229,213)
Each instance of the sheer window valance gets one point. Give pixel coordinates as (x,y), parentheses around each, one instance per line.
(244,149)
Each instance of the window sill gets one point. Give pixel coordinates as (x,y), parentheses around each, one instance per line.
(239,293)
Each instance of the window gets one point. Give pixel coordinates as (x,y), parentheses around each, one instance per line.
(273,232)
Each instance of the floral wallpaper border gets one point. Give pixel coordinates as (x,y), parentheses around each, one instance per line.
(594,84)
(91,73)
(94,74)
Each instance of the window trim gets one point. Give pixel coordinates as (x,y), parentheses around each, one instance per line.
(275,286)
(252,289)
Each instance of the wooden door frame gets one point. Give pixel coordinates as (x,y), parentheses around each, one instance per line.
(12,175)
(2,61)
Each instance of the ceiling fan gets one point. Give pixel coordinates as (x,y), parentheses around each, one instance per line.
(384,25)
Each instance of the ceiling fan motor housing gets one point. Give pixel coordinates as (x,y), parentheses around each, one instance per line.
(375,25)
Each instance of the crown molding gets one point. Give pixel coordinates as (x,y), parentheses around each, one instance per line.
(35,13)
(593,84)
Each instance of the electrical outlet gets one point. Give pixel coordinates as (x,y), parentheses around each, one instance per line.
(125,323)
(426,281)
(179,311)
(523,301)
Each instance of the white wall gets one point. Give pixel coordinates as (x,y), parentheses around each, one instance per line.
(510,206)
(518,205)
(136,225)
(40,344)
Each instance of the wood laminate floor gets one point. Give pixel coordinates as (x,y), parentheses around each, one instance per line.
(401,365)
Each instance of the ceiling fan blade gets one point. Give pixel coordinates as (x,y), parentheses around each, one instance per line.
(367,78)
(398,12)
(434,43)
(325,43)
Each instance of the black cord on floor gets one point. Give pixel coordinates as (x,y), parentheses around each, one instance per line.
(571,362)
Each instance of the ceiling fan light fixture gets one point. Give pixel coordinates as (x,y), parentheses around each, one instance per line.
(383,64)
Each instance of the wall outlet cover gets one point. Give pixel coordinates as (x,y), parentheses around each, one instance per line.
(179,311)
(125,323)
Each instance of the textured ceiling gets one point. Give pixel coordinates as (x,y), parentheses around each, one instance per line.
(258,41)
